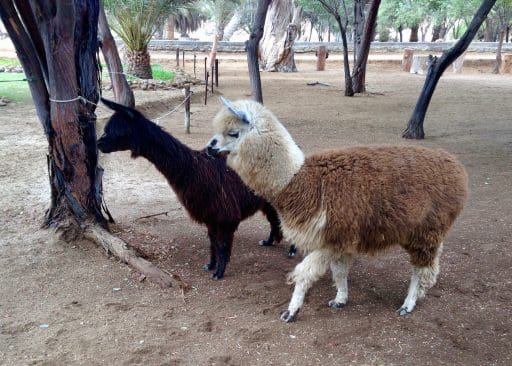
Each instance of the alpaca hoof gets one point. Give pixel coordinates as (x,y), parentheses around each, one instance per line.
(288,317)
(265,243)
(336,305)
(208,266)
(217,276)
(292,251)
(403,311)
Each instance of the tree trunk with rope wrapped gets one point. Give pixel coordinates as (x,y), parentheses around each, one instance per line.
(57,50)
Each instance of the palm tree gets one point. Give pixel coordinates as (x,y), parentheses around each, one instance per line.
(220,11)
(188,20)
(135,22)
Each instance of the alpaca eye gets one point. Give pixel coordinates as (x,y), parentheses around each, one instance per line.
(233,134)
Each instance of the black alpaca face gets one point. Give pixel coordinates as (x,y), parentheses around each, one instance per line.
(117,135)
(119,131)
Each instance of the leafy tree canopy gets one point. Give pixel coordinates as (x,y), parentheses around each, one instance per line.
(135,20)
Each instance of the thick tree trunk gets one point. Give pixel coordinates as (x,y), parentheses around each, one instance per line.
(123,94)
(414,33)
(497,66)
(170,27)
(488,31)
(58,53)
(439,31)
(74,172)
(30,50)
(414,128)
(358,28)
(217,37)
(349,90)
(282,26)
(233,25)
(138,63)
(252,49)
(359,70)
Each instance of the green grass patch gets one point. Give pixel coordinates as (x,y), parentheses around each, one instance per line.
(13,87)
(9,62)
(158,73)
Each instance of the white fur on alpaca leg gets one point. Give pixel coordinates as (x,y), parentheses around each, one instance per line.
(340,269)
(312,267)
(412,294)
(422,279)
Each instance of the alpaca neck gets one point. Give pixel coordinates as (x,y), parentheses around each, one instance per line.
(269,170)
(172,158)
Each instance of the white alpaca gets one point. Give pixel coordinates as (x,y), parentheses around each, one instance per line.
(339,203)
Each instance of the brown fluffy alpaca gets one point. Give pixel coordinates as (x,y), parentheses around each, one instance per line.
(339,203)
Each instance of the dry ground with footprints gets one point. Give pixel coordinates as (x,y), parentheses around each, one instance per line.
(69,304)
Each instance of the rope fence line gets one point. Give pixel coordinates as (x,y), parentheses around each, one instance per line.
(85,100)
(138,78)
(156,120)
(174,110)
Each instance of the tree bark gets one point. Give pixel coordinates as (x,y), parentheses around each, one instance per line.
(488,31)
(282,26)
(30,50)
(217,37)
(252,49)
(497,65)
(414,128)
(359,70)
(233,25)
(170,27)
(58,53)
(359,25)
(138,63)
(414,33)
(123,94)
(349,90)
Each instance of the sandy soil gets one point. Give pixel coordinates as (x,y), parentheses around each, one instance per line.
(64,304)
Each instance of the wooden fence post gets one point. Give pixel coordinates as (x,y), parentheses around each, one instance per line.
(506,66)
(188,95)
(183,59)
(205,70)
(321,56)
(195,65)
(206,88)
(216,73)
(177,56)
(407,59)
(213,73)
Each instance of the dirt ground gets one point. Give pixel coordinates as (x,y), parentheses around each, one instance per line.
(70,304)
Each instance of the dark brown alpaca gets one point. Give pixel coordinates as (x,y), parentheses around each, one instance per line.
(212,193)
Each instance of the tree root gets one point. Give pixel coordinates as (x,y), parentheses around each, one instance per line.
(126,254)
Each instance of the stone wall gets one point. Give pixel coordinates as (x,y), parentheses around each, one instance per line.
(202,46)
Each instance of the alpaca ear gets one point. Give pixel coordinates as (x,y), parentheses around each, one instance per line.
(129,112)
(241,115)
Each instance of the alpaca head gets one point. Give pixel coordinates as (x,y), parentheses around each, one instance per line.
(120,130)
(257,146)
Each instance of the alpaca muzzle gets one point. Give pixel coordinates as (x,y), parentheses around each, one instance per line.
(216,152)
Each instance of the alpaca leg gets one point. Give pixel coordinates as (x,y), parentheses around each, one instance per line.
(340,268)
(422,279)
(275,229)
(213,251)
(224,244)
(292,250)
(304,275)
